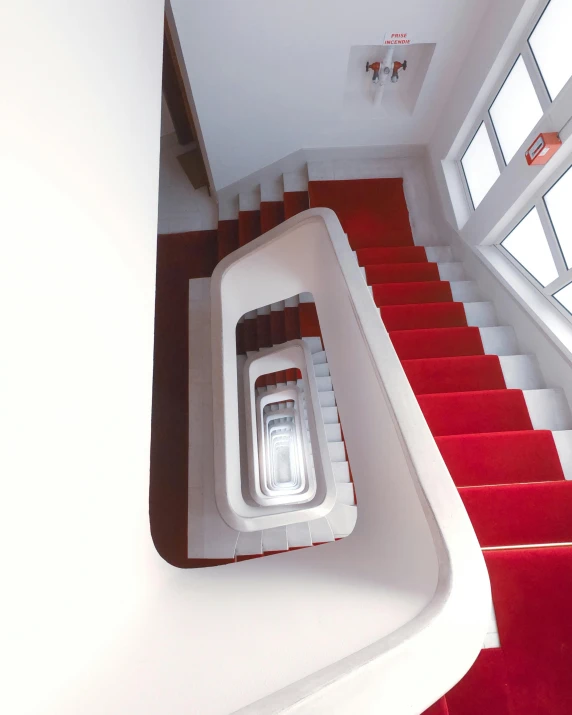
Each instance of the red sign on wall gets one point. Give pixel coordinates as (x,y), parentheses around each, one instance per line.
(397,38)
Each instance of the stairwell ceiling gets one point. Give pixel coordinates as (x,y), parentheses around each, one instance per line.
(269,78)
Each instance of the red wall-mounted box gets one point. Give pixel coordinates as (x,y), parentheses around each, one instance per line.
(543,149)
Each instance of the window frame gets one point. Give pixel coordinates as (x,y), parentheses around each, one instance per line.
(524,50)
(564,274)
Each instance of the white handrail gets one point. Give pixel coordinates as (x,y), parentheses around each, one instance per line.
(413,540)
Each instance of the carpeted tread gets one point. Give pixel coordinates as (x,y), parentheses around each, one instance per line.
(373,212)
(295,202)
(248,226)
(520,514)
(391,254)
(412,292)
(402,273)
(424,315)
(271,215)
(454,374)
(471,412)
(501,458)
(437,343)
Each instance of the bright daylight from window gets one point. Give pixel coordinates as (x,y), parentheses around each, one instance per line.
(564,297)
(551,45)
(559,204)
(480,165)
(515,110)
(527,243)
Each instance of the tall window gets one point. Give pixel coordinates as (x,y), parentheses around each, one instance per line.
(480,165)
(541,67)
(551,46)
(515,110)
(541,243)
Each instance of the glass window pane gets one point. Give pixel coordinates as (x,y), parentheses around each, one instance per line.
(564,297)
(550,43)
(480,166)
(528,244)
(515,110)
(559,204)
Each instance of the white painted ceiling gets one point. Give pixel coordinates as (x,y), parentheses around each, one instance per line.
(269,77)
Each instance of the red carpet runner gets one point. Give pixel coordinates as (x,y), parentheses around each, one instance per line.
(509,475)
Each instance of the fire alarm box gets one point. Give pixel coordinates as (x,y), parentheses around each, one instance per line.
(543,149)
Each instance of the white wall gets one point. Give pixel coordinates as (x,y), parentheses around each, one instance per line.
(79,162)
(181,206)
(269,79)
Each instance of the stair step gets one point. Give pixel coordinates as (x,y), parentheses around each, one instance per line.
(378,255)
(503,457)
(342,519)
(341,471)
(337,451)
(321,531)
(423,315)
(322,370)
(249,543)
(327,398)
(499,340)
(263,331)
(240,345)
(308,317)
(291,323)
(412,293)
(330,415)
(454,374)
(275,539)
(520,514)
(438,254)
(295,202)
(227,237)
(480,314)
(475,412)
(333,433)
(345,493)
(251,335)
(319,358)
(401,273)
(548,409)
(295,181)
(299,535)
(278,327)
(451,271)
(563,441)
(314,344)
(521,372)
(465,291)
(324,383)
(436,342)
(248,226)
(271,215)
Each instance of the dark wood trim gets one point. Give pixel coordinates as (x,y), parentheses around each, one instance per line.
(174,91)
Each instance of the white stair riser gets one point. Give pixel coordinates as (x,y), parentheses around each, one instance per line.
(521,372)
(563,442)
(451,271)
(548,409)
(480,314)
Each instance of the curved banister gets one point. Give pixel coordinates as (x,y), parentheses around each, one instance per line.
(413,542)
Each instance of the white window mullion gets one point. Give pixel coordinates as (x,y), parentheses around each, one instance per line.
(559,283)
(536,77)
(494,141)
(551,238)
